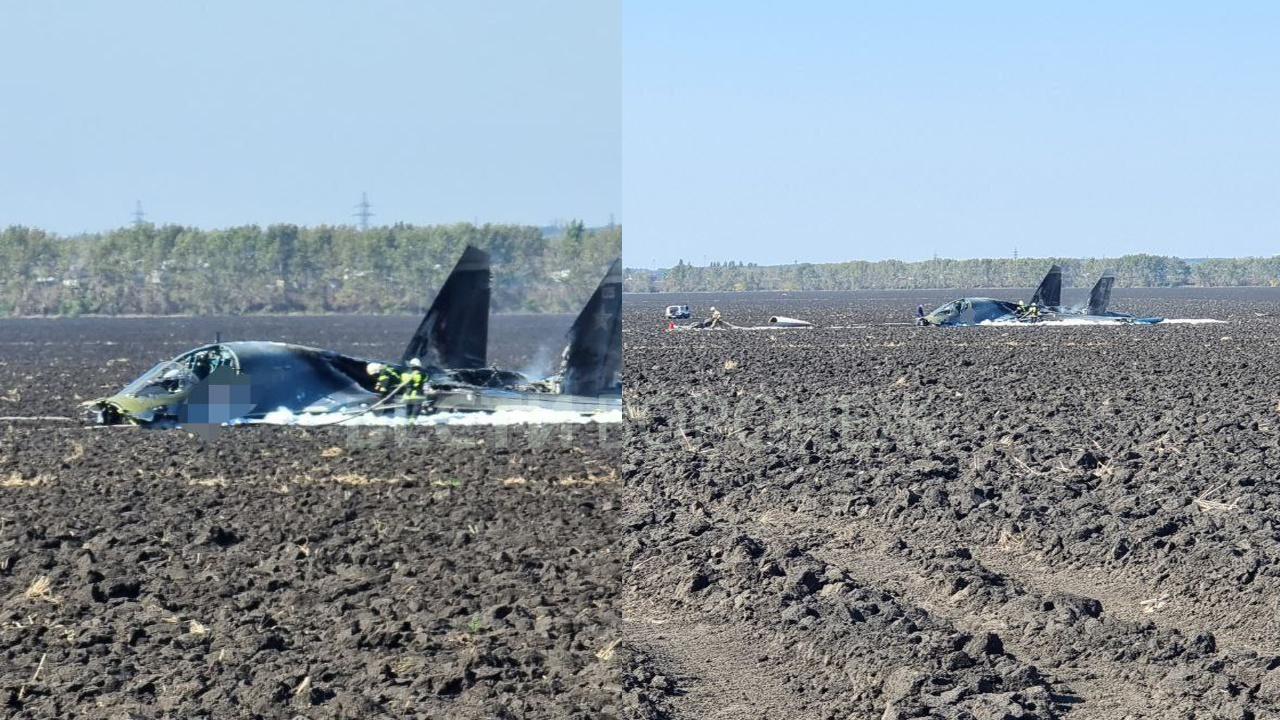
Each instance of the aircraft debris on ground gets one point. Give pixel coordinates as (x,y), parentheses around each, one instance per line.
(1045,306)
(776,322)
(253,381)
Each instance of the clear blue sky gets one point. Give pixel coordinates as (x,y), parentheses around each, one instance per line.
(820,131)
(229,112)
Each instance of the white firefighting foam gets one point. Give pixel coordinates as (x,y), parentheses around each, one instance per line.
(1082,322)
(508,416)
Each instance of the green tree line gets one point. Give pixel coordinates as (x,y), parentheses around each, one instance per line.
(173,269)
(1131,271)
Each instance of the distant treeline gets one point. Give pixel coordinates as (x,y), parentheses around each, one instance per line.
(173,269)
(1131,271)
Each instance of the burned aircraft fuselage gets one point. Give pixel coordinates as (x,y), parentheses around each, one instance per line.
(235,382)
(244,382)
(978,311)
(1045,306)
(240,381)
(972,311)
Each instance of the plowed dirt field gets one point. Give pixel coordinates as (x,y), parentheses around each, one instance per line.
(277,572)
(885,521)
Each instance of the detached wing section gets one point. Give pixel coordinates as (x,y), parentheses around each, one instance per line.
(455,331)
(1100,296)
(593,361)
(1049,294)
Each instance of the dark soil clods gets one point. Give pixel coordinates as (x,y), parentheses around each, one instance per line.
(283,572)
(901,522)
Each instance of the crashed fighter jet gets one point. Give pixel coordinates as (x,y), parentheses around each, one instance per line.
(241,382)
(1047,304)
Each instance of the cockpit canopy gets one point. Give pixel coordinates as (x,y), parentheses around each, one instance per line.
(166,378)
(179,375)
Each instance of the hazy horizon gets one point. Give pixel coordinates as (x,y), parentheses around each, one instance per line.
(824,131)
(256,113)
(1028,258)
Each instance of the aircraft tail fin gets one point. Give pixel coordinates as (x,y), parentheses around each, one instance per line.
(1049,294)
(593,360)
(455,331)
(1100,296)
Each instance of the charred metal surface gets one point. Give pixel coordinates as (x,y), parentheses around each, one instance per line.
(1045,306)
(455,331)
(237,382)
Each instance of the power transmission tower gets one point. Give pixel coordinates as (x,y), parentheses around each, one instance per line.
(363,213)
(1015,253)
(138,214)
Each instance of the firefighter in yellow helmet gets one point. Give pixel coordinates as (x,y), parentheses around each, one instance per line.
(388,377)
(416,388)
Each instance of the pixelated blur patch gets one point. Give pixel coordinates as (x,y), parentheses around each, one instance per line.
(223,396)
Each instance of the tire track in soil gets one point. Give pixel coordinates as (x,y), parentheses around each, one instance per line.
(862,549)
(1243,624)
(1252,628)
(715,666)
(872,656)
